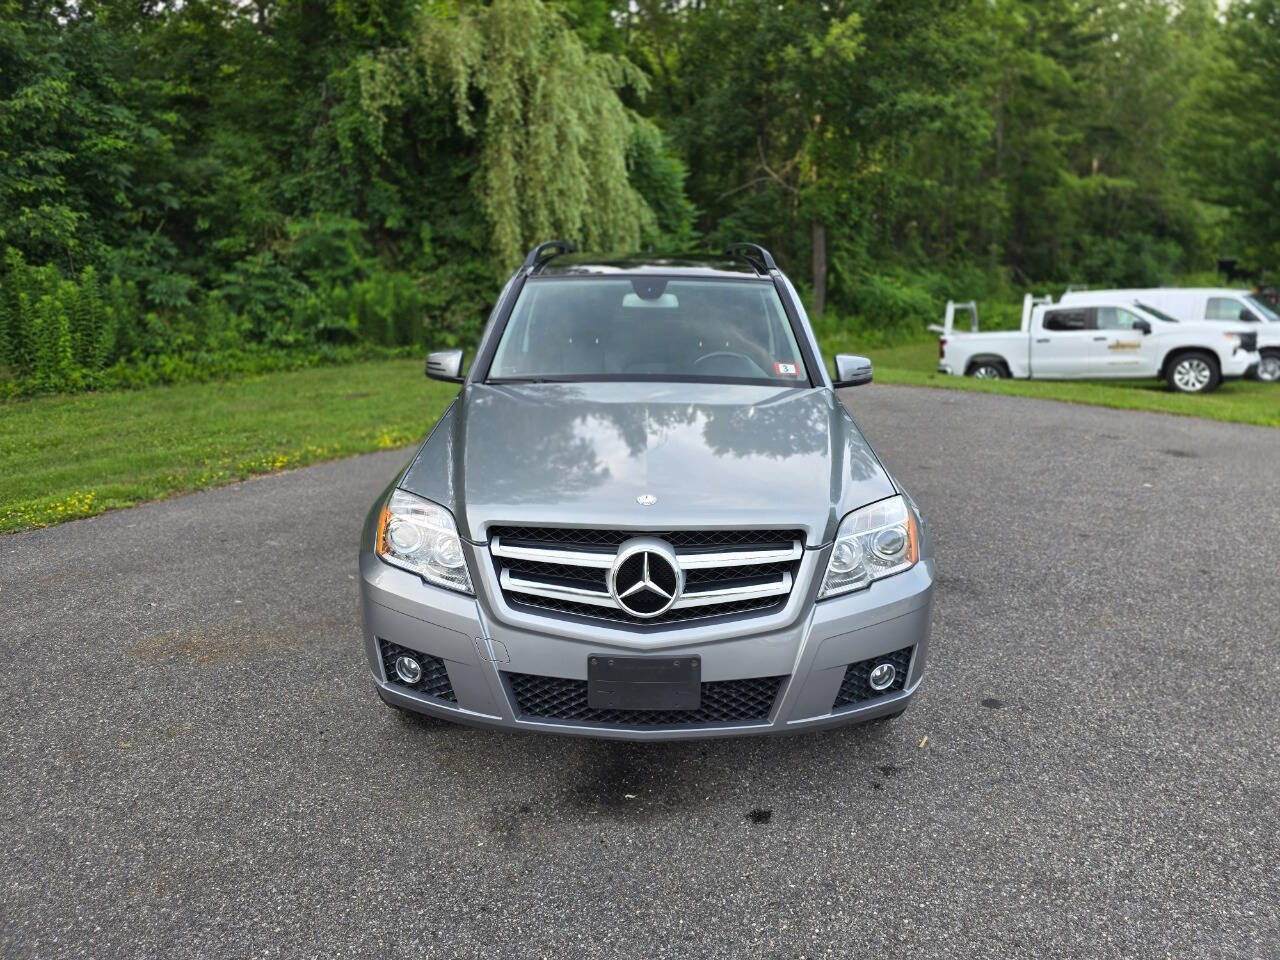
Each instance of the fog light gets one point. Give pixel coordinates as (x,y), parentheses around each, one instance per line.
(410,670)
(881,676)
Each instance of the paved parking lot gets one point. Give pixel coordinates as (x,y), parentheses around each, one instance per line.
(195,764)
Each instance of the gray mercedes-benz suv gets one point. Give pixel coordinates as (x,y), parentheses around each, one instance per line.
(647,515)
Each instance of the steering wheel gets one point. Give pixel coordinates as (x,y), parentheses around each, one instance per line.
(727,353)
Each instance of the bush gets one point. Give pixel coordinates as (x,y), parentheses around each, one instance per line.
(64,334)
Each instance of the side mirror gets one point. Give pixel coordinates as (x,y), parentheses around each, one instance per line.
(1142,325)
(445,365)
(852,370)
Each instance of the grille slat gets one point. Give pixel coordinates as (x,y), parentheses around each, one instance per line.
(856,685)
(723,702)
(575,537)
(435,677)
(727,572)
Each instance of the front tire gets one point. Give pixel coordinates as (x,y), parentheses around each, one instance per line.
(1269,368)
(987,370)
(1193,372)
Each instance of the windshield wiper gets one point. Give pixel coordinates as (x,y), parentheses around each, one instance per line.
(527,380)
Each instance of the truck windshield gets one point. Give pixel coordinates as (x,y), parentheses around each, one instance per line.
(648,328)
(1159,314)
(1267,314)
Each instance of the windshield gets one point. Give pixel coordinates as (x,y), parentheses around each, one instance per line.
(1267,314)
(649,328)
(1160,314)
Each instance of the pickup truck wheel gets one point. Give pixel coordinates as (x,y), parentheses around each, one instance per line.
(1269,368)
(987,370)
(1193,373)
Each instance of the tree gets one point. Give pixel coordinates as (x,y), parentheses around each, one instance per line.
(1232,144)
(552,136)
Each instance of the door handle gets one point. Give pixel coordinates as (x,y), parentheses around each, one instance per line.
(1042,340)
(1100,338)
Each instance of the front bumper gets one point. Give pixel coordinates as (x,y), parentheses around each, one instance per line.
(1240,364)
(483,644)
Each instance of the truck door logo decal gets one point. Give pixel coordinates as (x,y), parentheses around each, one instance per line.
(1125,345)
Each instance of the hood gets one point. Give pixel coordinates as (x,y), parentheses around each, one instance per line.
(713,455)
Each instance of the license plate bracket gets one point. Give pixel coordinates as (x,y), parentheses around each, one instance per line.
(644,683)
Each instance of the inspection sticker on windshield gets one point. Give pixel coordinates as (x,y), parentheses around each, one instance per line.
(785,369)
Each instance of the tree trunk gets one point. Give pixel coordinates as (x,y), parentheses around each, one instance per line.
(819,243)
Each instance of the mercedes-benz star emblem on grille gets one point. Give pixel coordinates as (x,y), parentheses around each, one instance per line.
(646,499)
(646,579)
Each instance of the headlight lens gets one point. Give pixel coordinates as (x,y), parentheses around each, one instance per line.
(875,542)
(420,536)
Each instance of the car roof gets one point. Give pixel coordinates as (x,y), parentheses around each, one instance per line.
(1148,291)
(667,265)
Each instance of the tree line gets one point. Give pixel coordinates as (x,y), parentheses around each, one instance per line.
(193,189)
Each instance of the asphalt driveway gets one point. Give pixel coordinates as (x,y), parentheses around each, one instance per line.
(194,763)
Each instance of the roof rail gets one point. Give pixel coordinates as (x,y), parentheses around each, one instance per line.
(536,256)
(753,252)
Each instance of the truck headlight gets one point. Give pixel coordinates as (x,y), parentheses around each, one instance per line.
(877,541)
(421,537)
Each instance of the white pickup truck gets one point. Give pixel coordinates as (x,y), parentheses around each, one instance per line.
(1069,341)
(1203,305)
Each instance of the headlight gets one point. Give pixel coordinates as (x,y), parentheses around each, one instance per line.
(421,537)
(877,541)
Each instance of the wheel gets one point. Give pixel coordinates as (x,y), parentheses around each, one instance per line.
(1193,373)
(987,370)
(1269,368)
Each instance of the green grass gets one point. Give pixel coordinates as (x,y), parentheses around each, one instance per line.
(1238,401)
(76,456)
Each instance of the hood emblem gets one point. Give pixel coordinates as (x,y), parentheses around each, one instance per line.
(646,579)
(646,499)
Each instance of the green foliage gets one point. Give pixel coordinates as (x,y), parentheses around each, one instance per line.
(1232,140)
(553,135)
(199,188)
(61,334)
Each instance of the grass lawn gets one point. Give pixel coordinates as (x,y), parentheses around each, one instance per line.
(75,456)
(1241,401)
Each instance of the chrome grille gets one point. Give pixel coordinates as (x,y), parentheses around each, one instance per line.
(566,570)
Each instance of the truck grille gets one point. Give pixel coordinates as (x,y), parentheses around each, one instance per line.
(567,570)
(723,701)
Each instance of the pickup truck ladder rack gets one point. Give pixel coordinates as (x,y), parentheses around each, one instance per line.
(949,318)
(971,307)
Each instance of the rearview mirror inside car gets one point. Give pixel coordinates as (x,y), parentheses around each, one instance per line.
(445,365)
(852,370)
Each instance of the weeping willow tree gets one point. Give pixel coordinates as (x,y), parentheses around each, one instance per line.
(551,132)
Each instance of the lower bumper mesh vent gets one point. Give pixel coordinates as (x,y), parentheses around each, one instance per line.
(435,678)
(856,686)
(723,701)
